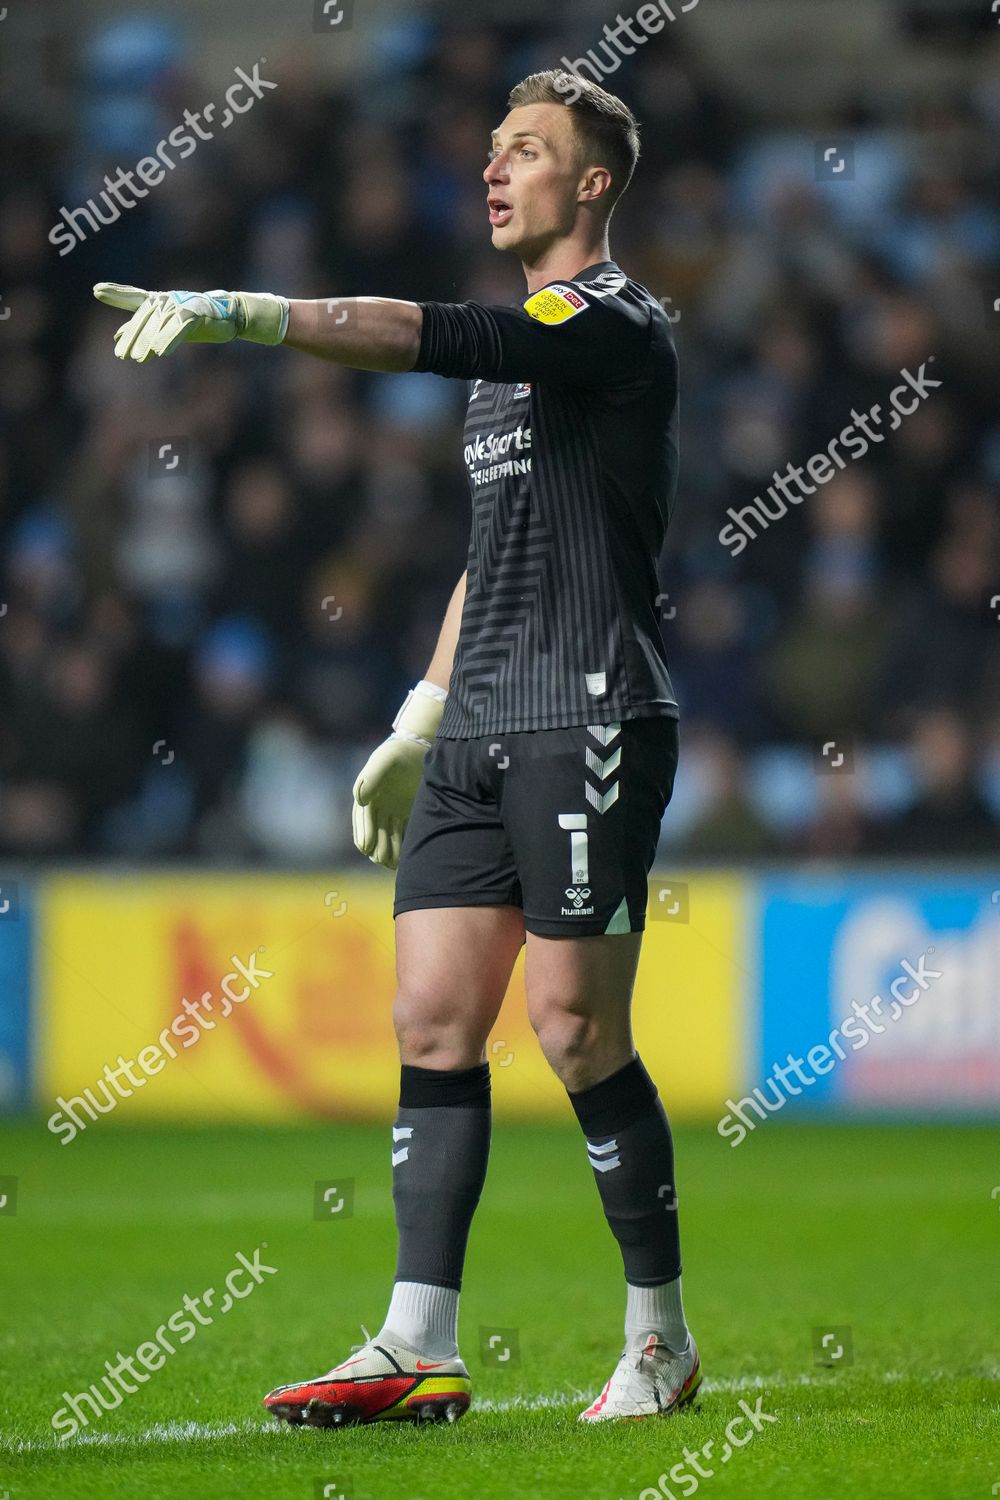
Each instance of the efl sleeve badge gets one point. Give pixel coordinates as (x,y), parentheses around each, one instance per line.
(555,304)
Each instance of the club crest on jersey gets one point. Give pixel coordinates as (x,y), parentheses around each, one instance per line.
(523,389)
(555,304)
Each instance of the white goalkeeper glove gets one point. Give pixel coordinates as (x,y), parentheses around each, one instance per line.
(162,320)
(387,784)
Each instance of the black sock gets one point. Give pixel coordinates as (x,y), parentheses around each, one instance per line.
(632,1154)
(440,1147)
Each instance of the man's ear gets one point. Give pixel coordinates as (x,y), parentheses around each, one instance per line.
(595,184)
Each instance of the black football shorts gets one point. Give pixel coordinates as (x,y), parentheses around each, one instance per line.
(563,823)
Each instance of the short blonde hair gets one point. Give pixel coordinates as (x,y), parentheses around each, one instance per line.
(606,128)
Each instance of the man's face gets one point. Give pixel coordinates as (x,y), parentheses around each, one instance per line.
(533,178)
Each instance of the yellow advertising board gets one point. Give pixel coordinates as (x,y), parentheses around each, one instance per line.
(269,997)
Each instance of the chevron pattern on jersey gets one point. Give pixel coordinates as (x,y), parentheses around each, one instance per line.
(603,768)
(604,732)
(602,801)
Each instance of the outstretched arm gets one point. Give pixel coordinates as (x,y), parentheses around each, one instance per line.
(593,339)
(368,333)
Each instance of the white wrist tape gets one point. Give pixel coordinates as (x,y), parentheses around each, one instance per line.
(262,317)
(420,713)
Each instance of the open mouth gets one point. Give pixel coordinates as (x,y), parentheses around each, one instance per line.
(500,211)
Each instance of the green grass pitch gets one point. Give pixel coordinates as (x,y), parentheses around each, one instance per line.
(890,1231)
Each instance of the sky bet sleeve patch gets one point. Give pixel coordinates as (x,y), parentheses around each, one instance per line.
(556,303)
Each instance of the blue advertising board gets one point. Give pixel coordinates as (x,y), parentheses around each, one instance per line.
(16,930)
(894,977)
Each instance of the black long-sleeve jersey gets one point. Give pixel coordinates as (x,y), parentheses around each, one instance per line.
(571,450)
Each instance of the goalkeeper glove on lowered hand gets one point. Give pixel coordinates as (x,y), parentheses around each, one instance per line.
(162,320)
(387,784)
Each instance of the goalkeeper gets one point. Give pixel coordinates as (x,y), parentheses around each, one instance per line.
(521,793)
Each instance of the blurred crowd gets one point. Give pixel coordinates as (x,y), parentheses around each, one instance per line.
(222,571)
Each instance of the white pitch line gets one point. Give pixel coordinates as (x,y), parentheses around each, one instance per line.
(187,1432)
(160,1432)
